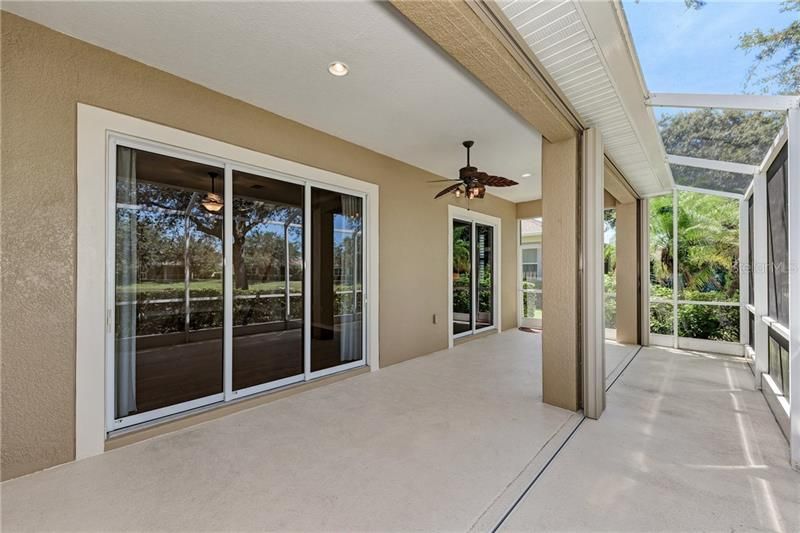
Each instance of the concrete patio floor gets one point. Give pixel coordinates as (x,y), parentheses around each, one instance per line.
(428,444)
(450,441)
(685,444)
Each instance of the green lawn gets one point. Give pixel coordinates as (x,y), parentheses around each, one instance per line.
(211,284)
(269,287)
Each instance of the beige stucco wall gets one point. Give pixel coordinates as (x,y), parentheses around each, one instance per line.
(627,274)
(532,209)
(45,74)
(560,355)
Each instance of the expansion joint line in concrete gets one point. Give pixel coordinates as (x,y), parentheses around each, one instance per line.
(547,464)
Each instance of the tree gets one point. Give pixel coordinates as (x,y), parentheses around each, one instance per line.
(769,45)
(167,208)
(708,245)
(737,136)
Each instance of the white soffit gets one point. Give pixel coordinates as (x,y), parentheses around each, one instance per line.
(404,97)
(585,48)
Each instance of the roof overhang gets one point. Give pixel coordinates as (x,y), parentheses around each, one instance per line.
(585,48)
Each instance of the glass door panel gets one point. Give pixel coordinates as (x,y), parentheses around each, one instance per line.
(336,279)
(267,280)
(462,277)
(168,282)
(531,285)
(484,269)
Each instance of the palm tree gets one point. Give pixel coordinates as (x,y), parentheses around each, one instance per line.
(708,245)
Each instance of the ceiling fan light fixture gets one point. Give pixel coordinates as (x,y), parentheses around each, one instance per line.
(473,182)
(526,175)
(212,202)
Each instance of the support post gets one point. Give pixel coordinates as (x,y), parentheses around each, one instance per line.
(793,193)
(561,379)
(644,276)
(593,330)
(744,284)
(760,273)
(675,268)
(627,273)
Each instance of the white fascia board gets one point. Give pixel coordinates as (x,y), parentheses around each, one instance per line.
(749,102)
(605,22)
(725,166)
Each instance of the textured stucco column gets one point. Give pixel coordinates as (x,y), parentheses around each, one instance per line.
(561,383)
(627,274)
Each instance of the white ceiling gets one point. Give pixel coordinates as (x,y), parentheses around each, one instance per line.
(403,96)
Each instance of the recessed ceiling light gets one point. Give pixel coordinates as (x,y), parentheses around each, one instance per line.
(526,175)
(337,68)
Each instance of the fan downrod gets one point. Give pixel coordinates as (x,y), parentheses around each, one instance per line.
(468,145)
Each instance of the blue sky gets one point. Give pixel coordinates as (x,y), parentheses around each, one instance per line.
(694,51)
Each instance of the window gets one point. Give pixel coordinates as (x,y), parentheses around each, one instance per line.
(473,278)
(181,339)
(778,240)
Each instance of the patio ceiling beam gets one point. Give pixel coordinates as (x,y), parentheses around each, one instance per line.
(725,194)
(712,164)
(750,102)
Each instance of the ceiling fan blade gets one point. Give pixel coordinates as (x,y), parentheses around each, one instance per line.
(448,190)
(496,181)
(442,181)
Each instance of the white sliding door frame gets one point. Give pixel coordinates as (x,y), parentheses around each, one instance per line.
(98,133)
(473,218)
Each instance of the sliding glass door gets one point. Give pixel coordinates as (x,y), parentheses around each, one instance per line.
(473,277)
(531,285)
(336,279)
(226,282)
(267,280)
(168,338)
(462,277)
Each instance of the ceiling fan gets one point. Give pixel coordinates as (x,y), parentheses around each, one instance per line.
(472,182)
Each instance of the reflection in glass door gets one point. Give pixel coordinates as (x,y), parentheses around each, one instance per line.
(187,331)
(336,279)
(473,277)
(267,280)
(167,284)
